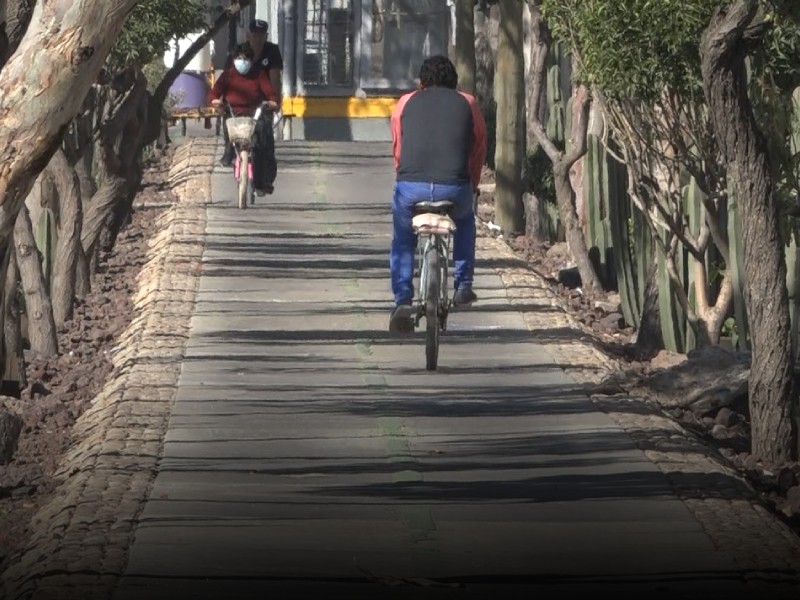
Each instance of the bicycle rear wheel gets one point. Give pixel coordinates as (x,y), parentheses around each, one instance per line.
(433,287)
(244,180)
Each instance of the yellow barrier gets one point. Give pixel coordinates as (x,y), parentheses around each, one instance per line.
(347,106)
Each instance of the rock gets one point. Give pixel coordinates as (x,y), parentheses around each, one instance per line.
(725,417)
(612,322)
(704,401)
(559,250)
(786,479)
(569,277)
(792,505)
(10,428)
(666,359)
(751,463)
(719,432)
(607,307)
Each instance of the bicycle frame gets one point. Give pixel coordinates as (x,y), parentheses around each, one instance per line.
(442,244)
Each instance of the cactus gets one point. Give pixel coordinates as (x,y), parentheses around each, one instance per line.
(738,274)
(673,318)
(623,239)
(693,205)
(556,103)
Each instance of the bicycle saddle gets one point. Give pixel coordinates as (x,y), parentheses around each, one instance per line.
(439,207)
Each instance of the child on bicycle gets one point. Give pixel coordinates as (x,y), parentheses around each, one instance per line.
(243,88)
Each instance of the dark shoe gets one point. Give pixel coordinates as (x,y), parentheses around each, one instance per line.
(464,296)
(400,321)
(267,189)
(227,157)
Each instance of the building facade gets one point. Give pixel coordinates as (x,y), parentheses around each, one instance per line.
(347,61)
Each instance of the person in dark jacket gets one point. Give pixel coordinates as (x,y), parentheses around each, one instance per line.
(439,146)
(243,88)
(267,57)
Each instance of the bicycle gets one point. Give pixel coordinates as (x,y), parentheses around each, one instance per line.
(240,133)
(434,228)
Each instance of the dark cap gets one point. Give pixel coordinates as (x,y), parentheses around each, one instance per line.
(258,26)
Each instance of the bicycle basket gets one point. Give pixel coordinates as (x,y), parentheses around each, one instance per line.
(240,129)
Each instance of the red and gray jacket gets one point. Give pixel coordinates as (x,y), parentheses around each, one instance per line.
(438,136)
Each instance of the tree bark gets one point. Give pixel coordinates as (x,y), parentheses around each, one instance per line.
(41,327)
(43,85)
(131,168)
(83,276)
(509,93)
(62,290)
(112,168)
(484,62)
(465,45)
(771,381)
(535,82)
(15,15)
(14,377)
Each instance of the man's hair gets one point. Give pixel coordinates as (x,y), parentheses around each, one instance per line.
(438,71)
(244,49)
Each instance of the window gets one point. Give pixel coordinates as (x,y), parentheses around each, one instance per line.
(398,35)
(328,43)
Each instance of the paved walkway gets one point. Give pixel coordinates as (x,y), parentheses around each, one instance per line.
(309,452)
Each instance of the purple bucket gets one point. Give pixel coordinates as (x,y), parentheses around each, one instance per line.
(191,90)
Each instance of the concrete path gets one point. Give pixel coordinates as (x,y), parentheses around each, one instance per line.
(310,454)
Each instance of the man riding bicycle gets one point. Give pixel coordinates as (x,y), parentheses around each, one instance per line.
(244,88)
(439,146)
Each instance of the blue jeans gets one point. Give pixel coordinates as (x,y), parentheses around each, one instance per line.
(404,241)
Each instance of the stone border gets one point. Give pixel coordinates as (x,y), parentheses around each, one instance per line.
(78,541)
(723,502)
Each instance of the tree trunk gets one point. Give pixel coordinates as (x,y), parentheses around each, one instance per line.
(69,237)
(771,382)
(15,15)
(14,378)
(563,162)
(465,45)
(43,85)
(572,228)
(41,328)
(535,107)
(509,93)
(132,170)
(484,62)
(83,277)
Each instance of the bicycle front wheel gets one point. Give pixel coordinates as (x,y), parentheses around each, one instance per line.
(244,180)
(433,287)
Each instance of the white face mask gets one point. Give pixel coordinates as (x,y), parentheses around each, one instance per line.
(242,65)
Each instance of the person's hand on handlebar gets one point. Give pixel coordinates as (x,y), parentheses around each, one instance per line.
(217,103)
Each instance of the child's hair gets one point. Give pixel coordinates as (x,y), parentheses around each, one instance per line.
(243,50)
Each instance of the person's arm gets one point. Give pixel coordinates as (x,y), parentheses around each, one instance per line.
(276,79)
(218,91)
(477,155)
(266,88)
(397,128)
(276,70)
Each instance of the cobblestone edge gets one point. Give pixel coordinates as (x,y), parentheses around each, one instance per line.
(79,539)
(722,501)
